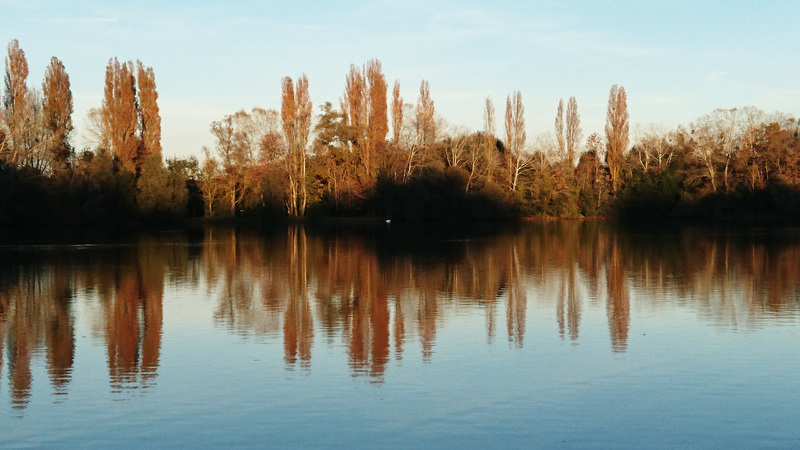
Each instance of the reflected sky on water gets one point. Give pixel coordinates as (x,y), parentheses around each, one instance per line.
(576,333)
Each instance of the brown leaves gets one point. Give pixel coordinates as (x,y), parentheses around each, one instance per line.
(617,131)
(120,114)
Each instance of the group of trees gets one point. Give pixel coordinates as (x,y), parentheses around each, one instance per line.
(43,179)
(35,124)
(290,162)
(726,162)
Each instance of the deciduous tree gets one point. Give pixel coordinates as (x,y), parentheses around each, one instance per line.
(573,132)
(425,124)
(559,125)
(57,109)
(296,115)
(209,182)
(150,119)
(365,105)
(18,105)
(617,131)
(397,113)
(237,147)
(121,115)
(378,126)
(489,137)
(517,160)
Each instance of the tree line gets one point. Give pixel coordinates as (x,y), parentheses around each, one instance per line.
(343,161)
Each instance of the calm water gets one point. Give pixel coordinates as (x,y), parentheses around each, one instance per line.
(562,334)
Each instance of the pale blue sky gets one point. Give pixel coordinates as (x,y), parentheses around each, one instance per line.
(676,59)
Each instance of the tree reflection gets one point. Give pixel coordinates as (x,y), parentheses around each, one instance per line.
(60,332)
(133,331)
(382,295)
(375,303)
(298,326)
(618,305)
(37,313)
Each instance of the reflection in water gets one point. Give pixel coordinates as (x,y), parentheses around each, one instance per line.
(38,291)
(35,313)
(618,304)
(133,328)
(375,291)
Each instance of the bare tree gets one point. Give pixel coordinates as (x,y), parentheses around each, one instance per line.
(652,148)
(717,137)
(617,130)
(489,137)
(234,158)
(517,160)
(573,132)
(209,181)
(397,113)
(426,124)
(559,124)
(296,112)
(354,103)
(409,137)
(457,147)
(94,132)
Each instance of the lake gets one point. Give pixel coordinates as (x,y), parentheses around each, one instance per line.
(538,334)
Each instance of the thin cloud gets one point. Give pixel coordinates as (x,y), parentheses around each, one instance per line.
(77,20)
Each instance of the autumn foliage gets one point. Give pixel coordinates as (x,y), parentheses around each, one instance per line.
(379,156)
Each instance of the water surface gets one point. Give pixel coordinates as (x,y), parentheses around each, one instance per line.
(565,334)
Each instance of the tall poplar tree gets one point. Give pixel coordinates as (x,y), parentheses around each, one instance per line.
(617,132)
(559,124)
(57,108)
(573,131)
(516,159)
(150,119)
(120,114)
(364,105)
(18,111)
(426,124)
(489,138)
(296,111)
(354,104)
(397,113)
(378,125)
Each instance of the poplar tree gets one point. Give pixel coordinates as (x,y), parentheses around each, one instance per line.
(397,113)
(365,107)
(120,114)
(426,124)
(378,122)
(573,131)
(57,108)
(354,104)
(562,152)
(617,132)
(516,159)
(18,107)
(489,139)
(296,111)
(149,117)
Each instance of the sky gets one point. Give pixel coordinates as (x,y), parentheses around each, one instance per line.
(677,60)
